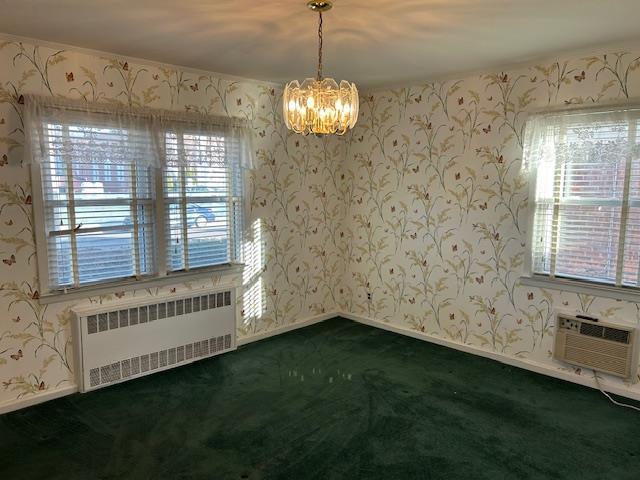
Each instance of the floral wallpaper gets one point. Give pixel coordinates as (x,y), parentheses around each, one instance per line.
(417,218)
(292,259)
(437,214)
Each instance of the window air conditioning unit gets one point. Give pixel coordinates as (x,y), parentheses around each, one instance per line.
(604,347)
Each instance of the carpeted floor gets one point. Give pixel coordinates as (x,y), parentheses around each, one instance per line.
(333,401)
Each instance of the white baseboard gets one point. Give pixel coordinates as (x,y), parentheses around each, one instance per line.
(24,402)
(286,328)
(609,384)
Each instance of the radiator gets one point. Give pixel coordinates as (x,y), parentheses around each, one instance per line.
(121,341)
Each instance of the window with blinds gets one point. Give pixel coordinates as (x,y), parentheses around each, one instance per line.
(98,210)
(586,224)
(111,214)
(203,194)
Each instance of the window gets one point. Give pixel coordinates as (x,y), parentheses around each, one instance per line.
(98,227)
(202,201)
(586,206)
(124,201)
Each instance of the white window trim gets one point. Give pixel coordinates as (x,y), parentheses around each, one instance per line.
(629,294)
(160,278)
(596,289)
(129,285)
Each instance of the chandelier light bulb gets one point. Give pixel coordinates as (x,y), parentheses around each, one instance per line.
(319,105)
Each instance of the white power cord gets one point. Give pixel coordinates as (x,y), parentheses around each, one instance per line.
(615,402)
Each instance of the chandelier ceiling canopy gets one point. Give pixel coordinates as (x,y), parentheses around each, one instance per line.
(320,105)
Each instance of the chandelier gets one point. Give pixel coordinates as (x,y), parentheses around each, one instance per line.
(319,105)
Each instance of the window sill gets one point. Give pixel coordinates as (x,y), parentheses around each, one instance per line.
(129,285)
(576,286)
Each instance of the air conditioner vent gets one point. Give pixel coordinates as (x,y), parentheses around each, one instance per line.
(601,346)
(591,330)
(616,335)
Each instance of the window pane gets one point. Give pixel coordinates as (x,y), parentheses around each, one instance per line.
(541,239)
(631,266)
(580,194)
(587,243)
(632,249)
(98,212)
(199,222)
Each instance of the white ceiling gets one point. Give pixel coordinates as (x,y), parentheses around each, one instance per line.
(371,42)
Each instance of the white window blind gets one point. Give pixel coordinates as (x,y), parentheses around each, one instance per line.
(133,193)
(98,209)
(586,224)
(203,200)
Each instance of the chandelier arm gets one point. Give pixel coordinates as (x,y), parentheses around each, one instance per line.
(320,46)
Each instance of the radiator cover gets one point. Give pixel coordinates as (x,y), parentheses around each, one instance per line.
(121,341)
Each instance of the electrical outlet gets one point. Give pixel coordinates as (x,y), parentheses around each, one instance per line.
(369,296)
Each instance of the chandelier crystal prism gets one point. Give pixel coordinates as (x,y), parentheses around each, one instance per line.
(319,105)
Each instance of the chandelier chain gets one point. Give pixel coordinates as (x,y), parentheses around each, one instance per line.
(320,47)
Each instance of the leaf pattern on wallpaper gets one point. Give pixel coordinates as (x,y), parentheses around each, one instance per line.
(89,88)
(40,333)
(439,95)
(436,226)
(221,88)
(435,154)
(509,109)
(555,76)
(37,63)
(176,81)
(539,316)
(464,192)
(468,120)
(403,97)
(126,78)
(619,66)
(297,247)
(508,189)
(416,218)
(16,234)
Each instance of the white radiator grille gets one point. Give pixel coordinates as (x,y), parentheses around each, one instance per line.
(124,318)
(127,342)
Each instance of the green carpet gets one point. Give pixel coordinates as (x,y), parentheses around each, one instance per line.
(336,400)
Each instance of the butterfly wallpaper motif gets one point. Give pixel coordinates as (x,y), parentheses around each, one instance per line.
(291,257)
(436,222)
(417,218)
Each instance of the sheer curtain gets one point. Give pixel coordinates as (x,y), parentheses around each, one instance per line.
(145,130)
(101,167)
(585,165)
(572,135)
